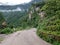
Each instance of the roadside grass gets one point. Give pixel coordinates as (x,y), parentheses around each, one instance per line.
(1,39)
(21,28)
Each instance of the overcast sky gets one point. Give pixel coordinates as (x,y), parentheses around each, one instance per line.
(13,2)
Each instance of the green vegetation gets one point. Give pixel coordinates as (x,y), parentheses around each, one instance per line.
(1,19)
(6,31)
(47,24)
(49,27)
(14,18)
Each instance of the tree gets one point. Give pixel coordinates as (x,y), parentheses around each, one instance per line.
(1,19)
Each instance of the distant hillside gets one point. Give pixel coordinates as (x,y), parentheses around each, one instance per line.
(21,6)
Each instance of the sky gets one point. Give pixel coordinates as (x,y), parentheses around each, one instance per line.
(13,2)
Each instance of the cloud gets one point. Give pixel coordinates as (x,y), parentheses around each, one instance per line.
(13,2)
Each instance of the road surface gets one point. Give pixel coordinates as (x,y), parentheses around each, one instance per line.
(26,37)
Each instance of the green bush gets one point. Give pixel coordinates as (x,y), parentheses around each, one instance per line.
(53,28)
(56,43)
(6,31)
(49,36)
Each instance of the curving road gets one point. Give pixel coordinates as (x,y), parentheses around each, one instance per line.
(26,37)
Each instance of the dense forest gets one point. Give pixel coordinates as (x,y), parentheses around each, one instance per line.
(45,16)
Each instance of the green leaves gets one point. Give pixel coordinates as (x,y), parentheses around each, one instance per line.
(6,31)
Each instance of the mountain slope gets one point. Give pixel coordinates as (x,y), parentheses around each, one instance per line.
(49,26)
(22,6)
(1,19)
